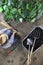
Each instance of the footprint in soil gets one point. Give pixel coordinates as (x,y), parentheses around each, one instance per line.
(21,59)
(10,61)
(34,58)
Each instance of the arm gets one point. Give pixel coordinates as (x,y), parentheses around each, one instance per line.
(11,40)
(3,30)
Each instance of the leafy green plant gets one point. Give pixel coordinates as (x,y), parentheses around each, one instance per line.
(20,10)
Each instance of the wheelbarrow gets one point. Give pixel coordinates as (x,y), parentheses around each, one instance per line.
(33,41)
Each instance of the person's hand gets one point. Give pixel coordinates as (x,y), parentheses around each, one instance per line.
(10,28)
(13,33)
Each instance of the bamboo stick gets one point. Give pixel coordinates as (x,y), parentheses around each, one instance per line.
(8,26)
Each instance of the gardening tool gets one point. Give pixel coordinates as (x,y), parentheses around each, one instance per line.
(36,36)
(29,42)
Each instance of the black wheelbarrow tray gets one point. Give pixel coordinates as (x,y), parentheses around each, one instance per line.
(38,42)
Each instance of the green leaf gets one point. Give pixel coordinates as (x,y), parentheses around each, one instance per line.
(13,11)
(39,6)
(0,2)
(5,7)
(5,2)
(33,12)
(19,11)
(10,16)
(39,14)
(6,11)
(20,3)
(9,2)
(20,19)
(33,20)
(42,6)
(28,7)
(24,14)
(1,9)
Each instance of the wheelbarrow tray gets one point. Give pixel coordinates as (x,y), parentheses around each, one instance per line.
(38,42)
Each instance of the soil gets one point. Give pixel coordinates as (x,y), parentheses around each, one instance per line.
(18,56)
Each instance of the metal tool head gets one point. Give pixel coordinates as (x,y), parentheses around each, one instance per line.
(29,41)
(37,34)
